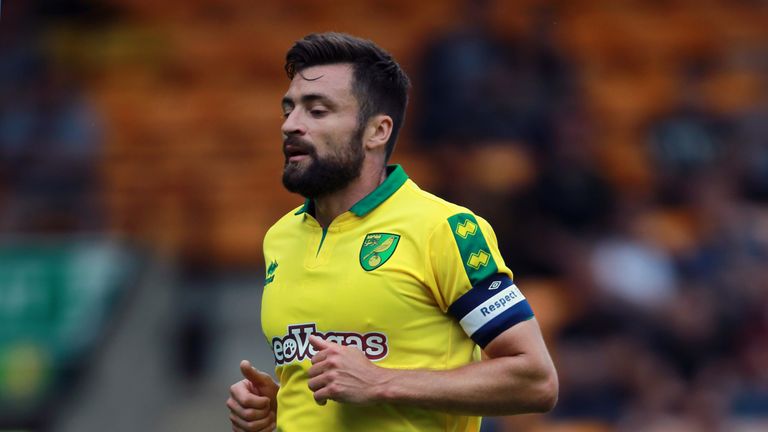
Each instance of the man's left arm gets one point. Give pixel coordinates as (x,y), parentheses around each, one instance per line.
(516,377)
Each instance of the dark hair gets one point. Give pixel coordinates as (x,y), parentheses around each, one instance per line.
(379,84)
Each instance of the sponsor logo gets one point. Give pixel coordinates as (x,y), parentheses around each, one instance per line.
(295,347)
(377,248)
(270,273)
(478,259)
(468,228)
(494,286)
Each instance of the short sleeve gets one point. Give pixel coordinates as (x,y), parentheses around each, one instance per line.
(472,282)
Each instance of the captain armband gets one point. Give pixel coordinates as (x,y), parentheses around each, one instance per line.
(492,306)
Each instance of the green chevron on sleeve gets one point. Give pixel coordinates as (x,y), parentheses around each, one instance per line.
(475,253)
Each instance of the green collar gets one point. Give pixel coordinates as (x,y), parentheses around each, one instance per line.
(396,177)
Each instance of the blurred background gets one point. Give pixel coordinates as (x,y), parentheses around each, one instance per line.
(618,147)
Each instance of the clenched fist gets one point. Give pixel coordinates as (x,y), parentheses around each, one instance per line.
(252,401)
(344,374)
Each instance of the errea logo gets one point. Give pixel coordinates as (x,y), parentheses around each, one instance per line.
(270,273)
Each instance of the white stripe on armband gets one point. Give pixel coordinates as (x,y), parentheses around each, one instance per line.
(491,308)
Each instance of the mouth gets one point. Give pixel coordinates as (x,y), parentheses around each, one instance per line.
(296,152)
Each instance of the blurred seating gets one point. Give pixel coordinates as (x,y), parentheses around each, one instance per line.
(189,92)
(215,70)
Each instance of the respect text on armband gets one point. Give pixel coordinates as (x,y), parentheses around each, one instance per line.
(295,346)
(507,300)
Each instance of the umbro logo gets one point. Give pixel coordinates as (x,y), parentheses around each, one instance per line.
(495,285)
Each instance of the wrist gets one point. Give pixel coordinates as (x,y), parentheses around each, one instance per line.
(386,388)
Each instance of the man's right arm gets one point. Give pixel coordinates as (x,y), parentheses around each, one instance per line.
(252,401)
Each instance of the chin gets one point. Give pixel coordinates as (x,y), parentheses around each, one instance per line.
(306,162)
(294,168)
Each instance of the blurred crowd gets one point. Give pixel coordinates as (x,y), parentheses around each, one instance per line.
(663,291)
(659,287)
(50,136)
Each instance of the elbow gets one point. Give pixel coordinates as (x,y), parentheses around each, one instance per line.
(546,392)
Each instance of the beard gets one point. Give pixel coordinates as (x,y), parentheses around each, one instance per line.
(321,176)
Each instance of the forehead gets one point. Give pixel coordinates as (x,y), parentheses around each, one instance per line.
(334,81)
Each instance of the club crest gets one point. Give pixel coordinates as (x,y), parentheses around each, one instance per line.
(377,248)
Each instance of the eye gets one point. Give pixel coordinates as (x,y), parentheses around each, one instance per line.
(317,112)
(286,114)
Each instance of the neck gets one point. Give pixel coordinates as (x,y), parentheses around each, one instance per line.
(332,205)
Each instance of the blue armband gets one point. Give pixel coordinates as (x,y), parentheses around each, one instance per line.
(492,306)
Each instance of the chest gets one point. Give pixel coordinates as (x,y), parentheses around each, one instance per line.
(357,282)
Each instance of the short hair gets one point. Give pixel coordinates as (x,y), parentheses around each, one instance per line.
(379,84)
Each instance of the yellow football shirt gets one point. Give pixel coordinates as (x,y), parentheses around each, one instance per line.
(410,279)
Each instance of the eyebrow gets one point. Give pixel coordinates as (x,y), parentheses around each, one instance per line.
(309,98)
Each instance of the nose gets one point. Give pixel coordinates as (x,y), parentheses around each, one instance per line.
(292,125)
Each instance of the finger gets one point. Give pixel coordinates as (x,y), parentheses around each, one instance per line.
(266,385)
(248,414)
(246,399)
(244,394)
(250,373)
(261,380)
(250,426)
(241,390)
(319,344)
(319,382)
(320,356)
(235,427)
(321,396)
(271,427)
(318,369)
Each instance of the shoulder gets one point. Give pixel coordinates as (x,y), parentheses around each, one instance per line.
(432,210)
(427,204)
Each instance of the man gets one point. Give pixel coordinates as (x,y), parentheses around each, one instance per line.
(379,298)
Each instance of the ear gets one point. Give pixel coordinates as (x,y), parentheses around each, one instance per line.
(377,132)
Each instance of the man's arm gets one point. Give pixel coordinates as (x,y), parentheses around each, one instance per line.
(517,377)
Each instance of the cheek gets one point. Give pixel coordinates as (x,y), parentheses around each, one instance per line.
(333,138)
(331,146)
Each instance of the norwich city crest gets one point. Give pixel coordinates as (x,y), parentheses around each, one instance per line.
(377,249)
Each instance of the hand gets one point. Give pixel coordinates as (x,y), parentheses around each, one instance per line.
(252,402)
(343,374)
